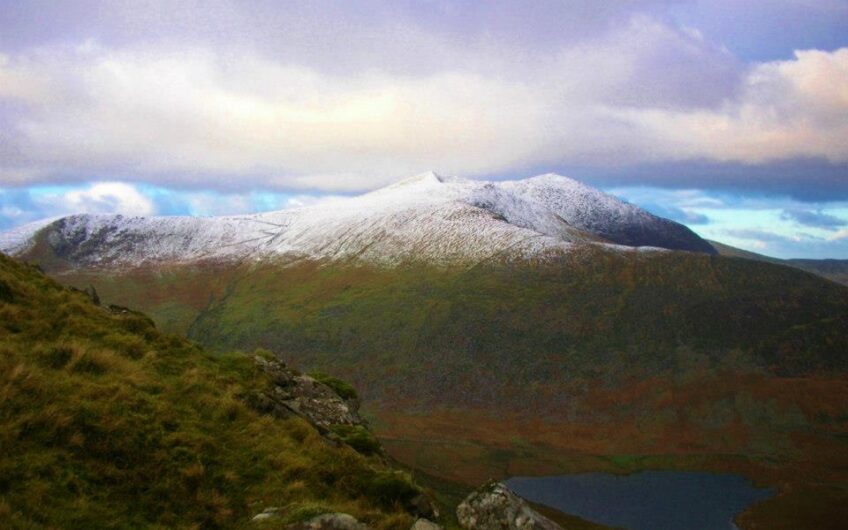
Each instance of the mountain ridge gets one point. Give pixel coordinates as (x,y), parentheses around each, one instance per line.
(428,217)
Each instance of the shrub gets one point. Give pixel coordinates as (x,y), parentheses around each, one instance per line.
(390,489)
(6,294)
(359,438)
(57,356)
(342,388)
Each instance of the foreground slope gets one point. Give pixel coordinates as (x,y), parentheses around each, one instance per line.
(107,423)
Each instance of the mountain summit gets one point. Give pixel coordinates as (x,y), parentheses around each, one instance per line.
(428,217)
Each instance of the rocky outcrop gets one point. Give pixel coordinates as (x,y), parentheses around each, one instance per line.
(334,521)
(296,394)
(495,507)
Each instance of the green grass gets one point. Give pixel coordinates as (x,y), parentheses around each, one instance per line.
(342,388)
(107,423)
(431,335)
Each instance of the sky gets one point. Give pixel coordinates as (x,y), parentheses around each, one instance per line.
(729,116)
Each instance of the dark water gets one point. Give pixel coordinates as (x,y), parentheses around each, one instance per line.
(651,500)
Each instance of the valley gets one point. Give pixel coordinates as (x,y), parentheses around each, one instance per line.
(570,351)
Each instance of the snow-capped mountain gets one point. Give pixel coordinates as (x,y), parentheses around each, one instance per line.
(427,218)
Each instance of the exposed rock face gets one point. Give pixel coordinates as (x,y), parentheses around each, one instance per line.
(301,395)
(330,521)
(495,507)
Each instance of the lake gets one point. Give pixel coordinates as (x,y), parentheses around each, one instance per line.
(650,500)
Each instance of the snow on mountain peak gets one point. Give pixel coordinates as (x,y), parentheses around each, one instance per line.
(428,177)
(428,217)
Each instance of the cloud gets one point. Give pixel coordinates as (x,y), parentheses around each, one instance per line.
(104,197)
(805,179)
(813,218)
(680,215)
(640,91)
(763,236)
(788,246)
(787,109)
(19,206)
(840,235)
(675,206)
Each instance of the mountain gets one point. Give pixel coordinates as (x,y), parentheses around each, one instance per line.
(107,423)
(832,269)
(425,218)
(509,328)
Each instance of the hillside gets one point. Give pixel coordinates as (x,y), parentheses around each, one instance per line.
(594,362)
(107,423)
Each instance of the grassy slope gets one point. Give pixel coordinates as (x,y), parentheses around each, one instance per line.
(613,317)
(107,423)
(623,361)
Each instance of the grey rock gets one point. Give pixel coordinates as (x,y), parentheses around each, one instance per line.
(330,521)
(300,395)
(424,524)
(267,513)
(495,507)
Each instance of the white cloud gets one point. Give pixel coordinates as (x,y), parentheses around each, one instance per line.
(839,235)
(787,109)
(104,197)
(644,92)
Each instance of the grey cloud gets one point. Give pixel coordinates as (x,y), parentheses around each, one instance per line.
(760,235)
(340,97)
(670,211)
(804,179)
(813,218)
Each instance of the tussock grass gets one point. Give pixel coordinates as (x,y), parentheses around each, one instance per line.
(107,423)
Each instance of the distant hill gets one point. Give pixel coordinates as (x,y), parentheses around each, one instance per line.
(832,269)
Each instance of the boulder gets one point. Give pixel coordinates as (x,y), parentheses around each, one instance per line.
(267,513)
(424,524)
(495,507)
(298,394)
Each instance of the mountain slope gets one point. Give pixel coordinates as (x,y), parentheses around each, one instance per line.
(604,215)
(597,360)
(427,218)
(107,423)
(591,315)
